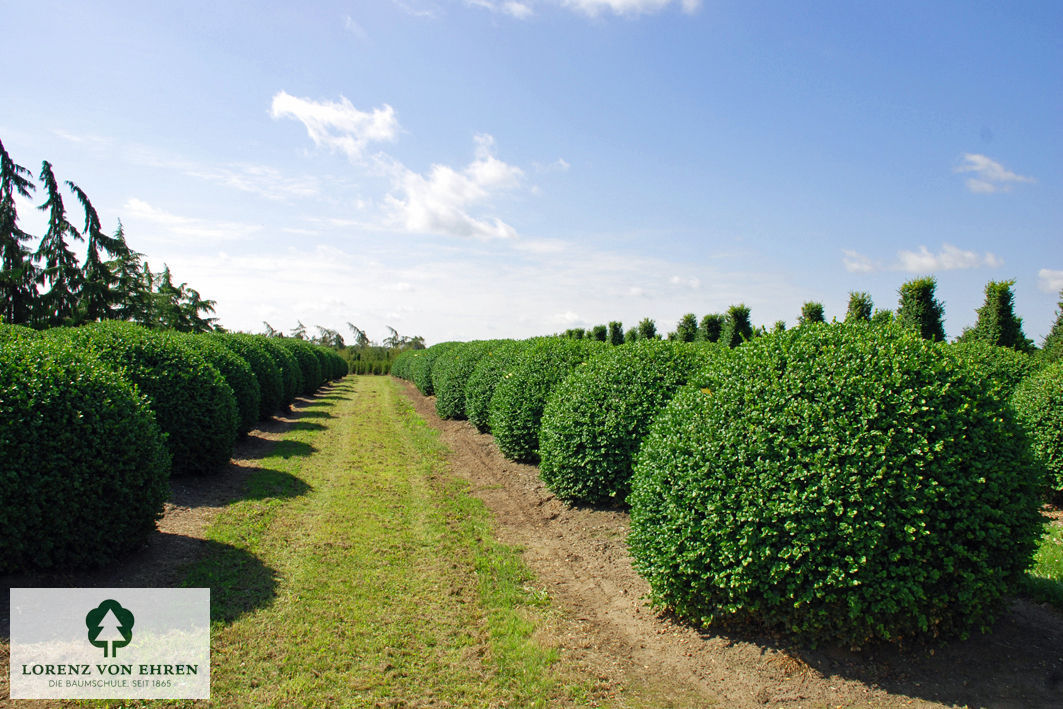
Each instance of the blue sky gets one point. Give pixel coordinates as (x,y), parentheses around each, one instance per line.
(464,169)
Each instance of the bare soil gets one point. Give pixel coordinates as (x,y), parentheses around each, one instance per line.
(580,557)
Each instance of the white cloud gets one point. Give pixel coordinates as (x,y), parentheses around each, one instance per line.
(988,176)
(948,259)
(518,10)
(692,283)
(181,229)
(1050,281)
(438,202)
(354,28)
(338,125)
(629,7)
(857,262)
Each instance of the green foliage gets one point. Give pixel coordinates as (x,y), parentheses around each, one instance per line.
(451,375)
(403,365)
(600,333)
(631,335)
(711,327)
(920,310)
(616,333)
(1052,347)
(647,329)
(267,374)
(193,405)
(307,360)
(287,365)
(882,317)
(1038,404)
(779,326)
(17,332)
(1002,369)
(686,330)
(595,419)
(522,392)
(811,313)
(860,307)
(238,375)
(83,467)
(480,388)
(997,323)
(841,483)
(421,367)
(18,275)
(737,327)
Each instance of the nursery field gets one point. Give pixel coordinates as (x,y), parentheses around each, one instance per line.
(361,551)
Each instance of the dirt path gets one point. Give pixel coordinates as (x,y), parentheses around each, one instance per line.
(580,557)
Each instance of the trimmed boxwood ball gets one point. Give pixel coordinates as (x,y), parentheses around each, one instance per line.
(521,394)
(450,375)
(838,482)
(1038,404)
(238,375)
(483,380)
(268,375)
(309,366)
(596,418)
(403,364)
(291,376)
(421,368)
(1002,368)
(84,469)
(193,405)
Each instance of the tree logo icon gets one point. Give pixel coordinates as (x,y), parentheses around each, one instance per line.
(110,626)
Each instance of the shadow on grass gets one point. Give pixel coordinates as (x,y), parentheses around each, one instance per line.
(238,580)
(311,413)
(283,449)
(306,426)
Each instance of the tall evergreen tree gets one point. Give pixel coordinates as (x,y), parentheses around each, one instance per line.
(647,329)
(997,323)
(710,328)
(131,298)
(811,312)
(59,306)
(1052,347)
(737,327)
(860,307)
(919,309)
(616,332)
(18,274)
(686,329)
(600,333)
(98,293)
(194,307)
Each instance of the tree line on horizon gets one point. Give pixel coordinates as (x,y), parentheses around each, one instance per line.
(997,323)
(49,287)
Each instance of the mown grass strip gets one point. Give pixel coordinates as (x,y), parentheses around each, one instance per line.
(358,572)
(1044,580)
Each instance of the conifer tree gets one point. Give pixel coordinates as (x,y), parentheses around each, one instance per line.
(860,307)
(1052,346)
(997,323)
(131,299)
(811,312)
(710,328)
(98,294)
(919,309)
(18,274)
(647,329)
(686,329)
(616,333)
(59,306)
(737,327)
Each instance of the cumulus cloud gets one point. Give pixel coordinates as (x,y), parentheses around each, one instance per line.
(166,226)
(1050,281)
(630,7)
(857,262)
(338,125)
(987,175)
(519,10)
(950,258)
(692,283)
(438,202)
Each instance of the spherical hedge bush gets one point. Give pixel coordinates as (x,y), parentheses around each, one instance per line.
(238,375)
(596,418)
(421,367)
(450,375)
(193,405)
(1002,368)
(84,469)
(483,380)
(268,375)
(839,482)
(309,366)
(402,367)
(291,376)
(1038,404)
(17,332)
(521,394)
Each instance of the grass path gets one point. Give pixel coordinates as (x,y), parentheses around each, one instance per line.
(357,572)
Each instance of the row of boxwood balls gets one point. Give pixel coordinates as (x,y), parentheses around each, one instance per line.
(95,419)
(839,482)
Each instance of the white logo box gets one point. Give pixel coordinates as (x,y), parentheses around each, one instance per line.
(110,643)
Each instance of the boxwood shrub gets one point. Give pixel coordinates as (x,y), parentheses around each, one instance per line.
(238,375)
(1038,403)
(306,358)
(402,367)
(17,332)
(838,482)
(193,405)
(291,375)
(596,418)
(268,375)
(84,469)
(521,394)
(1002,368)
(450,375)
(421,367)
(484,378)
